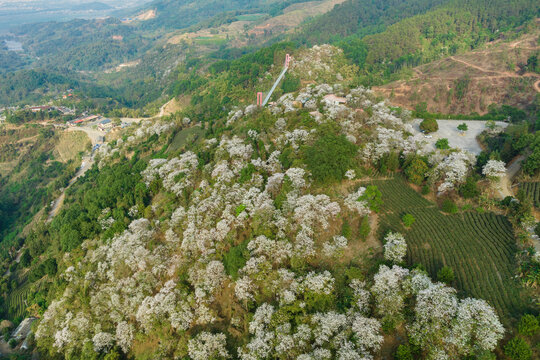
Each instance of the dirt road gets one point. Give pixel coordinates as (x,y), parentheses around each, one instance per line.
(500,74)
(87,162)
(511,171)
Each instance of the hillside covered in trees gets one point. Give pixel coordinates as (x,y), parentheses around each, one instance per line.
(329,224)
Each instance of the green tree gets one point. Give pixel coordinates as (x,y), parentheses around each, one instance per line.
(446,275)
(463,127)
(329,158)
(290,84)
(26,258)
(469,189)
(442,144)
(364,228)
(448,206)
(408,220)
(373,197)
(416,170)
(403,352)
(518,349)
(429,125)
(528,325)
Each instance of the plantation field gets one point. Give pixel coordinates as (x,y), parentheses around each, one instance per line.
(15,302)
(532,189)
(479,247)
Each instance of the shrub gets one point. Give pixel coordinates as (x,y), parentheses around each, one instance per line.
(446,275)
(425,190)
(373,197)
(528,325)
(235,259)
(26,258)
(463,127)
(346,230)
(329,158)
(364,229)
(403,353)
(429,125)
(416,171)
(448,206)
(290,84)
(442,144)
(518,349)
(469,190)
(12,343)
(408,220)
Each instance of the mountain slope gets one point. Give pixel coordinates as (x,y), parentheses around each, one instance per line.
(471,82)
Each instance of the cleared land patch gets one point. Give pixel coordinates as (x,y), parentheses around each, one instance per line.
(70,144)
(186,135)
(480,247)
(491,75)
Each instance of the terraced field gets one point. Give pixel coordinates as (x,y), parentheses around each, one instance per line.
(532,189)
(480,247)
(15,302)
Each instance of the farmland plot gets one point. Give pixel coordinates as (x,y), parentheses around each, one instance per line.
(480,247)
(532,189)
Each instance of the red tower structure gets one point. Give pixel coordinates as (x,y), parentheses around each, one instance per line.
(259,98)
(287,60)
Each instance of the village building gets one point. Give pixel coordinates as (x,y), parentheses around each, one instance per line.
(334,100)
(105,124)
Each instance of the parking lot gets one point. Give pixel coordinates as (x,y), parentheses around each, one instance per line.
(457,139)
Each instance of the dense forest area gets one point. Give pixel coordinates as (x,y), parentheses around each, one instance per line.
(81,44)
(382,46)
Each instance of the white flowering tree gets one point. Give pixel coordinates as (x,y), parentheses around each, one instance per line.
(494,169)
(395,247)
(206,345)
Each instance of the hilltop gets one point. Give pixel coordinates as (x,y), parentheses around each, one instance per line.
(497,73)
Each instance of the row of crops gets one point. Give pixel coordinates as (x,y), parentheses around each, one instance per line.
(532,189)
(479,247)
(16,302)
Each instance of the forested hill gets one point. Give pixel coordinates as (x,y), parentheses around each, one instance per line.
(173,14)
(384,40)
(361,17)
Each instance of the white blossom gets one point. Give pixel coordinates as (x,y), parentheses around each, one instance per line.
(494,169)
(206,345)
(395,247)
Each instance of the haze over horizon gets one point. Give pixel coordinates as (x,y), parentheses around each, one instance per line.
(18,12)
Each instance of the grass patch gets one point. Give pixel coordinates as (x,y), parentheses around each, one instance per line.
(209,40)
(185,136)
(250,17)
(479,247)
(235,259)
(70,143)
